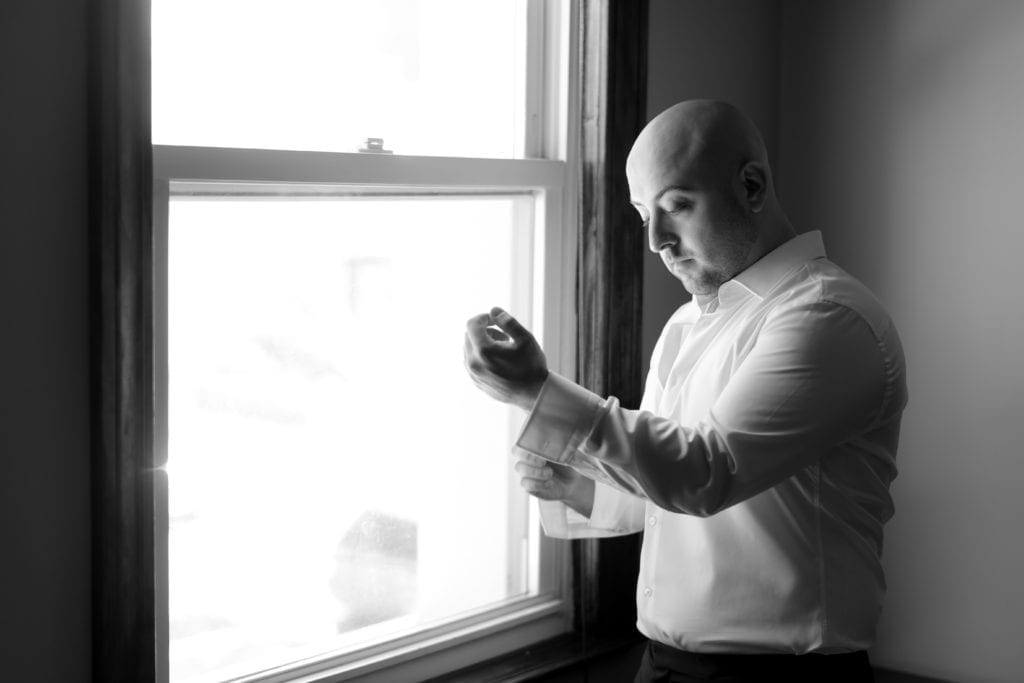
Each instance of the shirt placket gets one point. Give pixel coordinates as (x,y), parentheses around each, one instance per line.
(691,348)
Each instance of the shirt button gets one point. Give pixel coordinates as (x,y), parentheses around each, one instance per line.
(652,520)
(648,592)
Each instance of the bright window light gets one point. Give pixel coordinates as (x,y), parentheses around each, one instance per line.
(430,77)
(334,477)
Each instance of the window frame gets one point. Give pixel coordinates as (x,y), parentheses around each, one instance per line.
(492,631)
(121,364)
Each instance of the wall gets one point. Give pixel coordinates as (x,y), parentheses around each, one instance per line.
(901,138)
(718,49)
(44,402)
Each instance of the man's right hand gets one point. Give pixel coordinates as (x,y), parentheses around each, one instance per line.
(551,481)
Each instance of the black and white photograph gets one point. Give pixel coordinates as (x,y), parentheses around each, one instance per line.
(550,341)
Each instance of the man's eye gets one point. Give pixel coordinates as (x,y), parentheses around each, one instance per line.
(680,207)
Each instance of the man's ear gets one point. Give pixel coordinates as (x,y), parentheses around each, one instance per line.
(754,179)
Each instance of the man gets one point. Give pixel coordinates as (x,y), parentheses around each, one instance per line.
(759,463)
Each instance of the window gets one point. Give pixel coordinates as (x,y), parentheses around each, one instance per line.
(128,320)
(338,186)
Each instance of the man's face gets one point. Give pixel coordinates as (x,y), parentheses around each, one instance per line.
(693,217)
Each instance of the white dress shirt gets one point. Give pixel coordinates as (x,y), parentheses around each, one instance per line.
(758,465)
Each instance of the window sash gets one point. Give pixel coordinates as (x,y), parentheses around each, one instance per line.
(226,172)
(324,172)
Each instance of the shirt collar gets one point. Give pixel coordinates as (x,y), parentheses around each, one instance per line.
(762,276)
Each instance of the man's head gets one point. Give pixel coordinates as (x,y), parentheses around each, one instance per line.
(698,174)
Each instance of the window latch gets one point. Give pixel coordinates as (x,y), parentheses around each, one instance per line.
(374,146)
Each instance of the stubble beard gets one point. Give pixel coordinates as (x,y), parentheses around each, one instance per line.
(727,261)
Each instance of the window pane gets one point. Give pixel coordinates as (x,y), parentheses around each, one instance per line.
(333,474)
(430,77)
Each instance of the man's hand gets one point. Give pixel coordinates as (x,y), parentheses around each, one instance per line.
(504,359)
(551,481)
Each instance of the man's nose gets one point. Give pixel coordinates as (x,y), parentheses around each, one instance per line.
(658,236)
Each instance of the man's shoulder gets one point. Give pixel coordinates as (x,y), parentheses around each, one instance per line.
(821,281)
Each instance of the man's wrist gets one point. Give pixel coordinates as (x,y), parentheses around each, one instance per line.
(527,398)
(581,497)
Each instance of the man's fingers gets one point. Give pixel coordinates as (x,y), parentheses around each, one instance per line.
(505,321)
(483,334)
(471,358)
(476,329)
(528,471)
(529,458)
(495,330)
(467,352)
(497,335)
(536,487)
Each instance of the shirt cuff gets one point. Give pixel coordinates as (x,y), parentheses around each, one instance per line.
(614,514)
(562,417)
(615,510)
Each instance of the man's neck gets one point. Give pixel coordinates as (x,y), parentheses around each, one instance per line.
(772,235)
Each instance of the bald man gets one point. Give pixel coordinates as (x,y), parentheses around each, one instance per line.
(758,465)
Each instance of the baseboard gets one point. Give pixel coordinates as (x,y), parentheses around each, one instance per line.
(889,676)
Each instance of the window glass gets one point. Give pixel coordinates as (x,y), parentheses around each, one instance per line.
(333,474)
(430,77)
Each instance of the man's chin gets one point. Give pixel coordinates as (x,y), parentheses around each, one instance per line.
(697,287)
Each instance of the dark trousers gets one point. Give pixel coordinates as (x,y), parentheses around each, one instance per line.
(664,664)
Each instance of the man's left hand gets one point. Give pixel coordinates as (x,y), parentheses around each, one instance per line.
(504,359)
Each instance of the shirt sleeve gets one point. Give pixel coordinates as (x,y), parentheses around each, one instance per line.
(815,377)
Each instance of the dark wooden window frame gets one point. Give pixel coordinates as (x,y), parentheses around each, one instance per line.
(613,58)
(121,322)
(609,283)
